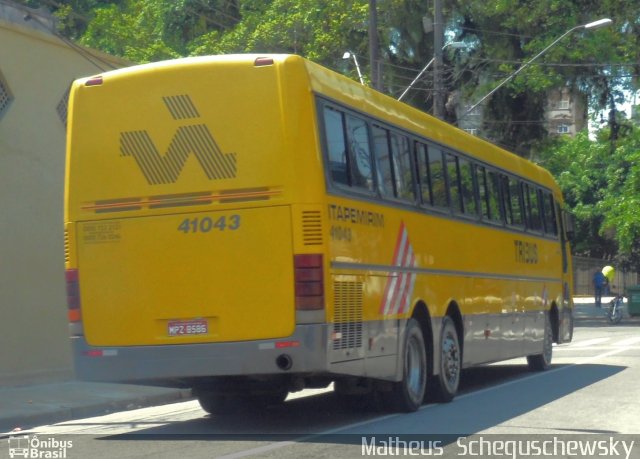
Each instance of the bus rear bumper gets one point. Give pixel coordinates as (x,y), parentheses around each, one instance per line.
(162,364)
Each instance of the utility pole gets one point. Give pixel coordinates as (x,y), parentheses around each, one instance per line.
(438,39)
(374,47)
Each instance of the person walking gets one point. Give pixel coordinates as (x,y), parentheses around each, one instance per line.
(599,282)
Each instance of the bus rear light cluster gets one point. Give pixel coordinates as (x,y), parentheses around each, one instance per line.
(73,296)
(309,280)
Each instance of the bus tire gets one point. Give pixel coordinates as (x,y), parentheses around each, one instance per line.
(408,394)
(445,385)
(542,362)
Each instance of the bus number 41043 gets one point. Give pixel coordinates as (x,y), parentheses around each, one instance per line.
(207,224)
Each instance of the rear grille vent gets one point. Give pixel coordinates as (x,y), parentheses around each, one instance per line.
(67,256)
(347,316)
(63,107)
(5,96)
(312,228)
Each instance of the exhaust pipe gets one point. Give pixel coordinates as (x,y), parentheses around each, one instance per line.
(284,362)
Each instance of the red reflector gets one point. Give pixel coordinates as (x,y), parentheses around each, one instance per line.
(74,315)
(281,344)
(94,353)
(309,281)
(71,275)
(259,62)
(95,81)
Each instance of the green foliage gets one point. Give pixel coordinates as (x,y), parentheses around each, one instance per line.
(602,187)
(507,33)
(600,179)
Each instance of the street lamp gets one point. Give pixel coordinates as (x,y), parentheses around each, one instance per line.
(453,44)
(592,25)
(348,55)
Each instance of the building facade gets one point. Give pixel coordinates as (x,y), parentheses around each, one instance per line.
(566,112)
(36,70)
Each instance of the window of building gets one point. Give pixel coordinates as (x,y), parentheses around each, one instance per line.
(563,104)
(562,129)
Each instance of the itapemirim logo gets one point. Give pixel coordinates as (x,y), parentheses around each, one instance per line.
(32,447)
(193,139)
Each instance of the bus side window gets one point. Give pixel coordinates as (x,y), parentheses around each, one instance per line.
(533,207)
(422,166)
(550,226)
(484,192)
(401,160)
(467,192)
(383,161)
(515,202)
(438,181)
(453,173)
(336,146)
(360,156)
(496,209)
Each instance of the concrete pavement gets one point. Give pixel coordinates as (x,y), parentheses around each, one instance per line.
(30,406)
(25,407)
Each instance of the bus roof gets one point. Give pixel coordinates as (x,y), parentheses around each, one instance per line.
(367,100)
(376,104)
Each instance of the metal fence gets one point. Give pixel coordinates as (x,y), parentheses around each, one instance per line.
(584,268)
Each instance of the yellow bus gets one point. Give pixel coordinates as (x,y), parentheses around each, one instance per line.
(251,225)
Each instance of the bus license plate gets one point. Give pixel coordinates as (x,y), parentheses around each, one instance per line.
(187,327)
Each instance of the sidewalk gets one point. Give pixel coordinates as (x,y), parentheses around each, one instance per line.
(31,406)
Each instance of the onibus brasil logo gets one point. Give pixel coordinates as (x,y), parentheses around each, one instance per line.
(193,139)
(33,447)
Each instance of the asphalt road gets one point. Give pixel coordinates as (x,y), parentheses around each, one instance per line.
(592,388)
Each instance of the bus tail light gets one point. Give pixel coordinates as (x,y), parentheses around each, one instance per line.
(73,301)
(309,281)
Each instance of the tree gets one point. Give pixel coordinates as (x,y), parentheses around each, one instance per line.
(602,188)
(507,33)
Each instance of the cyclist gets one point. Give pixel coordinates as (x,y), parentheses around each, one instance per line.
(599,282)
(610,273)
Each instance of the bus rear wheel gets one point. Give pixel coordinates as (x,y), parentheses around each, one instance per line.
(445,385)
(408,394)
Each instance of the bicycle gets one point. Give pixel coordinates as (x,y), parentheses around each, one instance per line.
(614,314)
